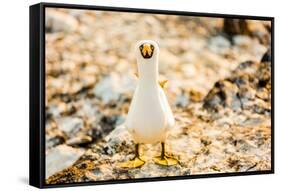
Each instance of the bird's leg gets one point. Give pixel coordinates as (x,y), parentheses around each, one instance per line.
(163,159)
(162,151)
(135,162)
(137,151)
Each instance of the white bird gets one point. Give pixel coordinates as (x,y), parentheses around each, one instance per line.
(150,117)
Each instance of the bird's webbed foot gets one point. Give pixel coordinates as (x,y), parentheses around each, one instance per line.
(135,162)
(164,159)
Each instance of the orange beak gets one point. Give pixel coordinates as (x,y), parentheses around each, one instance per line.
(146,50)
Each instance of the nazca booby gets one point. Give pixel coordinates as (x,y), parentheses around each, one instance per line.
(150,117)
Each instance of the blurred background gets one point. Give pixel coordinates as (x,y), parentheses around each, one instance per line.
(222,103)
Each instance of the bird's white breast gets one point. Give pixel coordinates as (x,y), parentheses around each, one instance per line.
(148,119)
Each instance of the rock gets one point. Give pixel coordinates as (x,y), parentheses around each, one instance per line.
(152,170)
(70,125)
(224,94)
(261,31)
(102,126)
(87,108)
(245,89)
(219,44)
(235,27)
(108,123)
(119,140)
(79,141)
(100,173)
(52,141)
(110,88)
(196,43)
(60,158)
(267,56)
(60,22)
(167,60)
(182,100)
(242,40)
(189,70)
(195,96)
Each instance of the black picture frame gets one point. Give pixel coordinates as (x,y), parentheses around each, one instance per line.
(37,92)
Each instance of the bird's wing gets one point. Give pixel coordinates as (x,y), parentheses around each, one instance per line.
(162,83)
(129,119)
(136,75)
(167,108)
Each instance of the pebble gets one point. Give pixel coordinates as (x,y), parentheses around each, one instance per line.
(182,100)
(168,60)
(110,88)
(61,157)
(59,21)
(267,56)
(52,141)
(219,44)
(70,125)
(80,140)
(242,40)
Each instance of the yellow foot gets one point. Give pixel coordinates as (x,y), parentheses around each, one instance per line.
(165,161)
(133,163)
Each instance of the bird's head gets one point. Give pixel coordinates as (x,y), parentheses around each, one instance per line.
(147,50)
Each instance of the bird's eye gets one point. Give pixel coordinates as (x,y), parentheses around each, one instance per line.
(152,47)
(141,47)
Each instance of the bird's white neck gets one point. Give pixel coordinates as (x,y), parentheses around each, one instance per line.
(148,71)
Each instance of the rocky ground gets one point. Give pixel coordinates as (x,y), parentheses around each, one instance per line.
(219,89)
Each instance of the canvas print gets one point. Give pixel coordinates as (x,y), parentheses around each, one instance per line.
(141,95)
